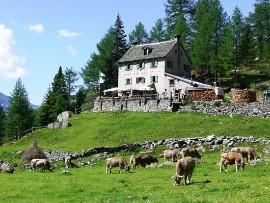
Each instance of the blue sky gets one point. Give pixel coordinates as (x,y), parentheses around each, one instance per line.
(39,36)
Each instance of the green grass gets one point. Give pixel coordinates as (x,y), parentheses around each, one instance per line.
(111,129)
(91,184)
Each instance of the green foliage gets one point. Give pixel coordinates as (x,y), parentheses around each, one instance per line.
(139,34)
(20,115)
(173,9)
(217,104)
(157,33)
(2,119)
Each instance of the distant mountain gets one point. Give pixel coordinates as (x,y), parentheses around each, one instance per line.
(4,101)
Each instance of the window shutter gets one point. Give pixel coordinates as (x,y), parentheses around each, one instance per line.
(156,79)
(130,80)
(137,80)
(156,63)
(138,66)
(125,81)
(142,65)
(151,79)
(151,64)
(143,80)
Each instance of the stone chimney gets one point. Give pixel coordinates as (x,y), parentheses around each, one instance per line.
(134,43)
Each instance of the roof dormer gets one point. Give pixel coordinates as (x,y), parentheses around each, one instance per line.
(147,50)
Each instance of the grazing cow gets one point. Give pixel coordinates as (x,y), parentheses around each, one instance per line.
(170,153)
(11,170)
(231,158)
(116,162)
(192,152)
(247,152)
(41,163)
(143,160)
(69,163)
(184,168)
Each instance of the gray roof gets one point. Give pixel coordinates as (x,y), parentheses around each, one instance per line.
(159,50)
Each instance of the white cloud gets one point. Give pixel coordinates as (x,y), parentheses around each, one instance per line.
(67,34)
(10,62)
(38,28)
(71,50)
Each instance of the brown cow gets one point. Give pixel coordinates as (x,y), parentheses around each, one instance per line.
(184,168)
(116,162)
(231,158)
(41,163)
(170,153)
(247,152)
(143,160)
(192,152)
(10,170)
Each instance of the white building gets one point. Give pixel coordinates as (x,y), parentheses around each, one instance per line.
(165,64)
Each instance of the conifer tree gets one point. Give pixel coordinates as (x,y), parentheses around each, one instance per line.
(261,28)
(246,47)
(20,115)
(2,119)
(182,29)
(173,9)
(237,28)
(139,34)
(157,33)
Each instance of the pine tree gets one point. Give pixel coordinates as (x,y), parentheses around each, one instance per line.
(261,28)
(44,113)
(110,49)
(226,56)
(19,113)
(121,45)
(157,33)
(238,26)
(2,120)
(59,94)
(80,99)
(182,29)
(208,30)
(139,34)
(173,9)
(246,47)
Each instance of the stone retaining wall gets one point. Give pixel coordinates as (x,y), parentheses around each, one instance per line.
(172,143)
(166,105)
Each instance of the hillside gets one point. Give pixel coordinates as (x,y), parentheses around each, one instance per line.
(111,129)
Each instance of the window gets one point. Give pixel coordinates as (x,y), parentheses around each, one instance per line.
(128,67)
(154,79)
(153,64)
(128,81)
(171,82)
(169,64)
(147,51)
(140,65)
(140,80)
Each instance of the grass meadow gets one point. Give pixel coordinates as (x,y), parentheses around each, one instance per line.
(92,184)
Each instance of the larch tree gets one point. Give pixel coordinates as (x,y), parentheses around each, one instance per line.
(237,28)
(261,27)
(2,120)
(158,32)
(173,9)
(20,115)
(208,30)
(139,34)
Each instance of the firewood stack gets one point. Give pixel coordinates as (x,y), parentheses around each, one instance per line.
(243,96)
(200,95)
